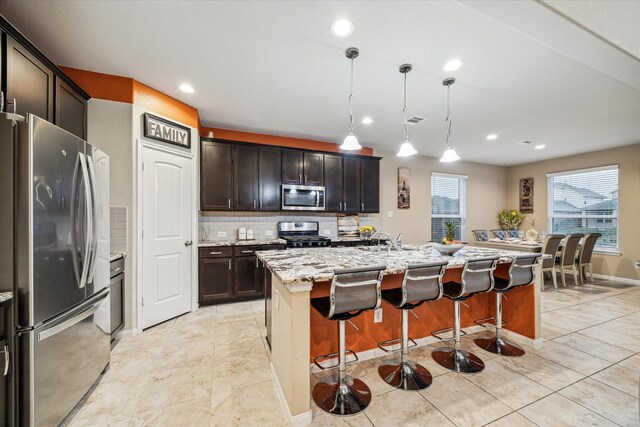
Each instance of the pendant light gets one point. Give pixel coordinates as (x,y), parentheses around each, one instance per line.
(406,149)
(450,154)
(350,141)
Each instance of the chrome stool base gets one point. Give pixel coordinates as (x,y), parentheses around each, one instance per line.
(499,346)
(407,376)
(349,398)
(457,360)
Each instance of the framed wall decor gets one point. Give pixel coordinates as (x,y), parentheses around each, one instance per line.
(404,188)
(526,195)
(166,131)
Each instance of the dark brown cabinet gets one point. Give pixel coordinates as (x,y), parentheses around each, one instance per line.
(302,167)
(333,183)
(71,110)
(116,296)
(216,176)
(269,181)
(292,167)
(29,82)
(245,178)
(351,184)
(215,280)
(369,186)
(231,273)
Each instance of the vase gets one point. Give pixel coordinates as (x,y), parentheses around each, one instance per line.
(532,235)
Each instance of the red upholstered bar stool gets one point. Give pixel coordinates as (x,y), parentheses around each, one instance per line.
(521,273)
(353,291)
(420,283)
(477,277)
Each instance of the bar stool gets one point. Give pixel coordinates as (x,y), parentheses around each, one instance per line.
(421,282)
(353,291)
(477,277)
(521,273)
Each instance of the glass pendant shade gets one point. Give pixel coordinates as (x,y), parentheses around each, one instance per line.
(450,155)
(350,143)
(406,150)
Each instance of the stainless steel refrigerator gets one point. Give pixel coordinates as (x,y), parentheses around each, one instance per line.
(54,256)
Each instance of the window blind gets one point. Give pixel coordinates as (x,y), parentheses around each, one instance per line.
(447,204)
(585,201)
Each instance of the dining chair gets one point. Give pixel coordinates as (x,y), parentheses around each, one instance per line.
(499,234)
(480,235)
(584,255)
(567,259)
(550,247)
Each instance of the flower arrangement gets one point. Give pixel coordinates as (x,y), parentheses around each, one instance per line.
(367,230)
(510,219)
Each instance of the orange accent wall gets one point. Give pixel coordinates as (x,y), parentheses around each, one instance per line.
(125,89)
(518,311)
(283,141)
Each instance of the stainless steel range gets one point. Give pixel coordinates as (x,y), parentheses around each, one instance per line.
(302,234)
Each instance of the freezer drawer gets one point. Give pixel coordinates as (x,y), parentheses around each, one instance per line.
(60,361)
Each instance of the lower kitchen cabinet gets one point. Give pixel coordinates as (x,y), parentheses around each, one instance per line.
(230,273)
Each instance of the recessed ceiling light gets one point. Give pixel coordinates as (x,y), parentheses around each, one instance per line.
(452,65)
(341,27)
(186,88)
(367,121)
(539,147)
(492,136)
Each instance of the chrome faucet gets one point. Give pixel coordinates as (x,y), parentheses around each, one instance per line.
(399,241)
(389,243)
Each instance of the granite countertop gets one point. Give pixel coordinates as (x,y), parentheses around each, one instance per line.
(5,296)
(117,255)
(303,266)
(241,242)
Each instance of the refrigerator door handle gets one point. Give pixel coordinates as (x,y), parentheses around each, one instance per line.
(89,234)
(74,246)
(93,218)
(67,323)
(7,358)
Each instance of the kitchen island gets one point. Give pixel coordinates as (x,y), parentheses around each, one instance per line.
(299,333)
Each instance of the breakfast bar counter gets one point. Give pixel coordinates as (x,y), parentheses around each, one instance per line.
(300,333)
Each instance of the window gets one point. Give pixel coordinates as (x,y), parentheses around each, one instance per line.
(585,201)
(448,197)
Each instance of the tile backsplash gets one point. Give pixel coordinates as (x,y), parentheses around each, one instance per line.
(118,237)
(211,223)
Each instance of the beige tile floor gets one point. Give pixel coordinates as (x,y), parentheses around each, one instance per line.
(211,368)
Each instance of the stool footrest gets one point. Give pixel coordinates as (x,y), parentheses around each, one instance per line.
(441,331)
(319,359)
(393,341)
(485,323)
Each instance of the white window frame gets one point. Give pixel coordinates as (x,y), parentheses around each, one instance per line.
(551,216)
(463,203)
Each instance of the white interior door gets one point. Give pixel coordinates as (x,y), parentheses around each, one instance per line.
(167,215)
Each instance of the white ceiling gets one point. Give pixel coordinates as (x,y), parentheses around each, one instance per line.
(274,67)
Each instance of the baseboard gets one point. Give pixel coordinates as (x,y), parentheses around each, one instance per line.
(617,279)
(303,419)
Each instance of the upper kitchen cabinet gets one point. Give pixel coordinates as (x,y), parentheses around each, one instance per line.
(216,175)
(32,84)
(269,169)
(333,183)
(369,185)
(71,110)
(245,178)
(29,82)
(302,167)
(351,184)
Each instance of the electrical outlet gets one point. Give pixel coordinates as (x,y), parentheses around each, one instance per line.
(268,233)
(222,234)
(377,315)
(326,232)
(389,214)
(276,300)
(638,265)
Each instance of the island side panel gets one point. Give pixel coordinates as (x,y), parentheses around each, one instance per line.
(290,345)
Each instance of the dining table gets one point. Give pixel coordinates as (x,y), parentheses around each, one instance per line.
(510,245)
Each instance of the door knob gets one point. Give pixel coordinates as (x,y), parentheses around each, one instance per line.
(188,243)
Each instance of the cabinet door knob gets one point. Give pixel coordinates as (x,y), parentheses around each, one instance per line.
(300,177)
(229,203)
(229,263)
(362,206)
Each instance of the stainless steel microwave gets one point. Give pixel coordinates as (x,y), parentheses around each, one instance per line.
(302,198)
